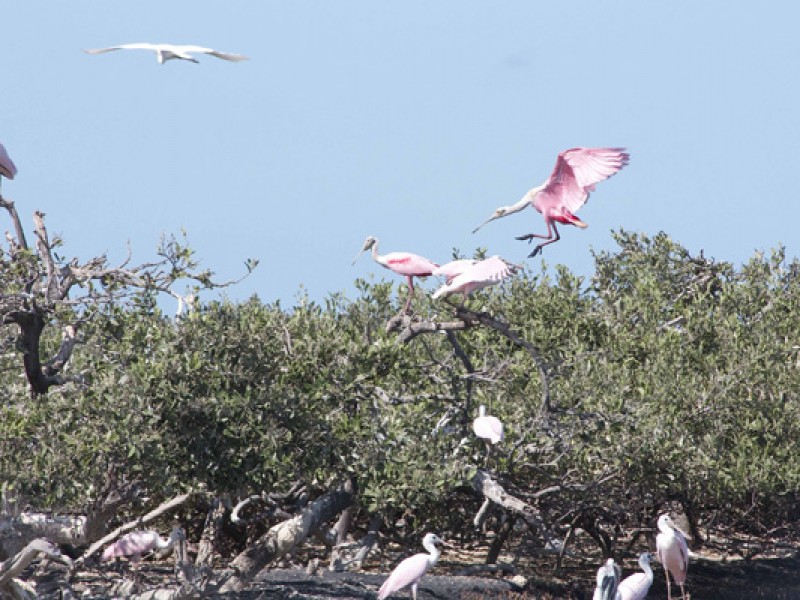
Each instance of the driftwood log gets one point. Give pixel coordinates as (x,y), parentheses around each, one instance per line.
(285,537)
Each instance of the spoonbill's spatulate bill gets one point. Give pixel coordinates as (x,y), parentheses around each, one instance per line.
(576,173)
(165,52)
(412,569)
(402,263)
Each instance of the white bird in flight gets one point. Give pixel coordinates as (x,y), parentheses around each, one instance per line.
(165,52)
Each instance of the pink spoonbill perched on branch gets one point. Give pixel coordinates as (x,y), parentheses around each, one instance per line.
(464,278)
(576,173)
(402,263)
(411,570)
(673,553)
(636,586)
(7,167)
(487,427)
(136,543)
(607,581)
(165,52)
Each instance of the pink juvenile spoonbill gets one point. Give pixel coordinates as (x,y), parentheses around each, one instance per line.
(576,173)
(402,263)
(136,543)
(673,553)
(480,274)
(607,581)
(165,52)
(487,427)
(636,586)
(411,570)
(7,168)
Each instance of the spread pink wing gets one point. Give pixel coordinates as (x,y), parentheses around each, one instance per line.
(490,271)
(576,173)
(454,268)
(407,572)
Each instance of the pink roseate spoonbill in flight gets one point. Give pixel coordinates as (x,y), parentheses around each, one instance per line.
(481,274)
(607,581)
(136,543)
(411,570)
(487,427)
(636,586)
(673,553)
(577,172)
(165,52)
(402,263)
(7,167)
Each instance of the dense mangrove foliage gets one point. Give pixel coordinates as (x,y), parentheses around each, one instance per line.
(672,380)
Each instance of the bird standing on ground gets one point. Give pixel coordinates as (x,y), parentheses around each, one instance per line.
(487,427)
(402,263)
(412,569)
(165,52)
(636,586)
(607,582)
(673,552)
(136,543)
(7,167)
(480,274)
(576,173)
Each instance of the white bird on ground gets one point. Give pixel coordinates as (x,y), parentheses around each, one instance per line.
(673,553)
(636,586)
(481,274)
(487,427)
(607,582)
(165,52)
(412,569)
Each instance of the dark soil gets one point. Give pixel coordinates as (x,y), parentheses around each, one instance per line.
(767,578)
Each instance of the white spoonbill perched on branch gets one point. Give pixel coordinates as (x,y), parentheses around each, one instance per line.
(136,543)
(480,274)
(636,586)
(402,263)
(607,581)
(576,173)
(7,167)
(487,427)
(165,52)
(673,553)
(412,569)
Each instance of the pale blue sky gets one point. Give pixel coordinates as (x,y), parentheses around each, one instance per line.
(410,121)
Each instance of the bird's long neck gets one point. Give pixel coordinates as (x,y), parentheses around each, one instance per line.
(481,411)
(648,571)
(525,201)
(434,553)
